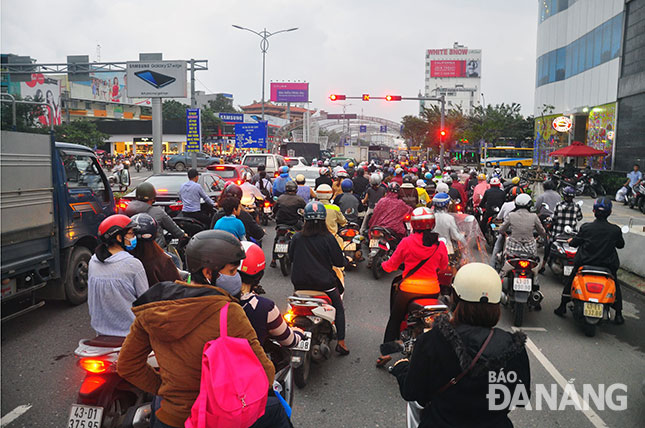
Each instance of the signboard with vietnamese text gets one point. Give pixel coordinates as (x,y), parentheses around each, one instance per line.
(289,92)
(251,135)
(562,124)
(193,139)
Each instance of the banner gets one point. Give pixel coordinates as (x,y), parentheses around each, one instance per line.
(289,92)
(43,89)
(455,68)
(193,128)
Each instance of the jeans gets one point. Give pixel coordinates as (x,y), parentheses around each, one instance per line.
(337,303)
(499,246)
(274,415)
(154,422)
(399,307)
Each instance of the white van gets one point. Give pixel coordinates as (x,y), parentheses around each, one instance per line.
(270,161)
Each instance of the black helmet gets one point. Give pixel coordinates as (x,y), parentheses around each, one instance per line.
(407,178)
(393,187)
(232,190)
(290,187)
(548,185)
(213,249)
(569,193)
(454,176)
(145,226)
(315,210)
(146,192)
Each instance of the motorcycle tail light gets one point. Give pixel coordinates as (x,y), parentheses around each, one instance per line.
(459,208)
(594,287)
(524,264)
(91,384)
(94,365)
(407,217)
(349,233)
(289,316)
(301,310)
(267,204)
(375,234)
(122,204)
(177,206)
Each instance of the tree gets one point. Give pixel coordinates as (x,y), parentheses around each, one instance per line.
(172,109)
(495,121)
(415,130)
(82,132)
(222,104)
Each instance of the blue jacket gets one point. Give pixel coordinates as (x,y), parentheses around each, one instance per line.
(279,182)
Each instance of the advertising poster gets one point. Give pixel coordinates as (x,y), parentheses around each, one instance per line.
(43,89)
(108,87)
(455,68)
(289,92)
(600,134)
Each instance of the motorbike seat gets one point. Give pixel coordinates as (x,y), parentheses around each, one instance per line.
(313,293)
(284,227)
(103,341)
(421,303)
(595,269)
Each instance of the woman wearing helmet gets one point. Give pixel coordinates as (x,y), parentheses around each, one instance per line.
(281,180)
(176,320)
(423,256)
(304,191)
(347,202)
(373,194)
(446,226)
(158,265)
(597,242)
(452,363)
(115,277)
(335,217)
(390,212)
(325,177)
(314,253)
(422,193)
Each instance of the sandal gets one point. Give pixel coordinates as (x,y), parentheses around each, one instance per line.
(383,360)
(342,351)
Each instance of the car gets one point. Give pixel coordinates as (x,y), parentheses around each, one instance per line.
(310,173)
(270,161)
(167,185)
(181,161)
(230,172)
(296,161)
(340,160)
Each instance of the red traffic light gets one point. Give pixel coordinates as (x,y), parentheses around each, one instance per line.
(366,97)
(336,97)
(443,132)
(393,98)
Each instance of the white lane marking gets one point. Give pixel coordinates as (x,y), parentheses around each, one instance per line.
(14,414)
(528,328)
(593,417)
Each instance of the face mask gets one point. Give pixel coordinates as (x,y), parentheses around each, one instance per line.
(230,283)
(133,244)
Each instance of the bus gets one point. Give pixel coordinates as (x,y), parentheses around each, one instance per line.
(506,156)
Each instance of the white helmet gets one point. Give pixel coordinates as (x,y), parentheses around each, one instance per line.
(478,283)
(324,192)
(522,200)
(495,182)
(375,179)
(447,179)
(421,183)
(442,187)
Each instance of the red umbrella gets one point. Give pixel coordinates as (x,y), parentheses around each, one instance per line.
(577,149)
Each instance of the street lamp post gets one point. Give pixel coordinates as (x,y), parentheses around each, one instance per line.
(264,47)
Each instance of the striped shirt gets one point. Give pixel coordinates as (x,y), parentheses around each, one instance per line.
(267,321)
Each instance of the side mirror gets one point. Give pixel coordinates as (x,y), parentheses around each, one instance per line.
(125,178)
(580,203)
(624,229)
(568,230)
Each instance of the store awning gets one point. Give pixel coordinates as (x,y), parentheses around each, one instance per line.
(577,149)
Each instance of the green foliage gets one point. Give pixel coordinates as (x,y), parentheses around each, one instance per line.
(611,181)
(222,104)
(172,109)
(80,132)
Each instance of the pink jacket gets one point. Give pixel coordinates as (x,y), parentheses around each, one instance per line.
(389,213)
(478,192)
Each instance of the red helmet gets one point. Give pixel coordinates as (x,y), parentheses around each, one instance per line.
(254,262)
(422,219)
(114,225)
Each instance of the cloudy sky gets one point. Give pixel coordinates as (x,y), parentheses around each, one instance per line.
(341,46)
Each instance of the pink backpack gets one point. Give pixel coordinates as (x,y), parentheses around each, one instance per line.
(234,385)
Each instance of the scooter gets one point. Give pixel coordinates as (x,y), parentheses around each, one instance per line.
(636,198)
(562,254)
(283,235)
(382,243)
(352,240)
(519,288)
(312,312)
(105,398)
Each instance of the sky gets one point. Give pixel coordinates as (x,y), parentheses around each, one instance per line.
(341,46)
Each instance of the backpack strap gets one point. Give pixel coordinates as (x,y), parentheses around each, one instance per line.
(456,379)
(223,315)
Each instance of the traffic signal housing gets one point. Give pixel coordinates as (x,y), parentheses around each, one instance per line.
(337,97)
(442,132)
(393,98)
(366,97)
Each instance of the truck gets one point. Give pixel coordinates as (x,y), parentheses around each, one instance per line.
(359,153)
(308,151)
(379,154)
(53,197)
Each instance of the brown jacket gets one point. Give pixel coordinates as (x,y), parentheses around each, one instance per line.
(176,320)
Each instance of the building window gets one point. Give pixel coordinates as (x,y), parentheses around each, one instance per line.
(560,63)
(549,8)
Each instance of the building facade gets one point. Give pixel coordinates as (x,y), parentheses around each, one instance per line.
(455,72)
(581,47)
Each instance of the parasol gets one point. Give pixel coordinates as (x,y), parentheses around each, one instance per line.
(577,149)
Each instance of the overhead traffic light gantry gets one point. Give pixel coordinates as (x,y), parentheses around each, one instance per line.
(337,97)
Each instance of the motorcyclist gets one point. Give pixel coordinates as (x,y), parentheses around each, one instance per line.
(452,191)
(146,195)
(597,242)
(550,197)
(280,181)
(264,183)
(248,188)
(460,187)
(251,227)
(565,213)
(390,212)
(422,193)
(287,211)
(373,194)
(408,193)
(304,191)
(472,182)
(361,183)
(230,222)
(347,202)
(338,179)
(351,169)
(479,190)
(158,265)
(115,277)
(423,249)
(439,373)
(325,177)
(398,176)
(314,253)
(334,217)
(176,320)
(191,194)
(446,226)
(508,185)
(521,223)
(493,198)
(504,211)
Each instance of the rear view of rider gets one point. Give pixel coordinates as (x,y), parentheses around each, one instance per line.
(158,265)
(439,374)
(597,242)
(334,218)
(479,190)
(304,191)
(325,177)
(281,180)
(373,194)
(550,197)
(347,201)
(146,195)
(408,193)
(287,211)
(390,211)
(446,226)
(191,193)
(565,213)
(422,255)
(493,198)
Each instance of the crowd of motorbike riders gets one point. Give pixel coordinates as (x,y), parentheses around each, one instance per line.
(136,290)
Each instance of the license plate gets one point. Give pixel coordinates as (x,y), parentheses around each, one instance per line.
(350,247)
(304,344)
(281,248)
(568,270)
(267,210)
(593,310)
(374,243)
(493,226)
(522,284)
(84,416)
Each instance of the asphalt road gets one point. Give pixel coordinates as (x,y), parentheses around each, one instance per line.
(39,370)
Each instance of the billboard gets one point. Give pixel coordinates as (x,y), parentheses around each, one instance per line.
(43,89)
(289,92)
(251,135)
(231,117)
(193,140)
(151,79)
(455,68)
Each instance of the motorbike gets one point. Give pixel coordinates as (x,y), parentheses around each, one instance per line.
(105,399)
(562,254)
(312,312)
(584,183)
(283,235)
(138,166)
(266,211)
(352,240)
(491,231)
(284,379)
(636,198)
(120,178)
(382,243)
(519,288)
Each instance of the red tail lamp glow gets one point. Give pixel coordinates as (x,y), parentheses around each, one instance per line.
(524,264)
(91,384)
(93,365)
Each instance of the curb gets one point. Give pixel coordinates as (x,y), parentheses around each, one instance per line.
(632,281)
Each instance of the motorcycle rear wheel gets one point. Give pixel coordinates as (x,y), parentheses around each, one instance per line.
(592,192)
(519,314)
(589,329)
(285,266)
(377,271)
(301,373)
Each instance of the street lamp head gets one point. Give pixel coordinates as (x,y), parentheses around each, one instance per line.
(292,29)
(238,27)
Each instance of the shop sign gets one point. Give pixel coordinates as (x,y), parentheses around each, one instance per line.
(562,124)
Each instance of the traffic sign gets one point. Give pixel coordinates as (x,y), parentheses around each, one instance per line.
(362,128)
(251,135)
(383,128)
(193,129)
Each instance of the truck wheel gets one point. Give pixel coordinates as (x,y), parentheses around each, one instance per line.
(76,275)
(179,166)
(518,165)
